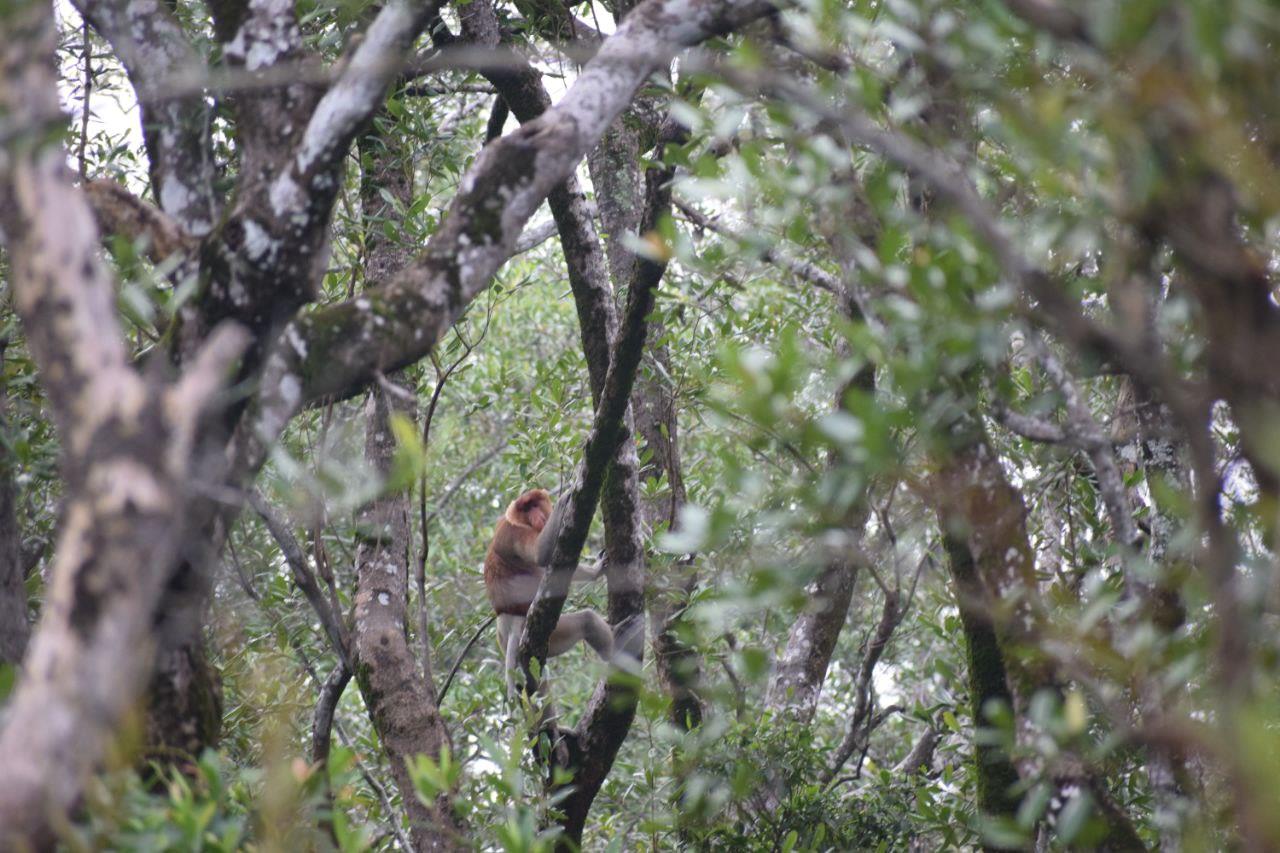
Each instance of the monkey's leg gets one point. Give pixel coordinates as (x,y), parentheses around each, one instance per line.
(510,628)
(586,625)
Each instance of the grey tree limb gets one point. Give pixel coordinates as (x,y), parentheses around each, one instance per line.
(129,447)
(337,350)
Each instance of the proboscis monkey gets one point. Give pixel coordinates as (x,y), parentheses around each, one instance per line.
(513,568)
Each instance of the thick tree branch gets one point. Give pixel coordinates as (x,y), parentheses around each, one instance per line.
(118,211)
(520,87)
(609,714)
(921,755)
(401,699)
(336,351)
(127,458)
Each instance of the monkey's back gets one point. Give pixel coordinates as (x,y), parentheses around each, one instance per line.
(510,580)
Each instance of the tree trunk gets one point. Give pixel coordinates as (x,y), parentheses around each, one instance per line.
(400,698)
(402,704)
(621,198)
(14,626)
(977,505)
(129,451)
(995,774)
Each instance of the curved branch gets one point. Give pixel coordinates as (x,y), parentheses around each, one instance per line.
(305,579)
(326,705)
(337,350)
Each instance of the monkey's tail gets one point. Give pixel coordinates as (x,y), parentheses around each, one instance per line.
(461,657)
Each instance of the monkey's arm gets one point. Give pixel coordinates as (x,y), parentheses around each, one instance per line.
(547,546)
(551,530)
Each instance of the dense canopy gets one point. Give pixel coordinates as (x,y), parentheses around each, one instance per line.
(908,369)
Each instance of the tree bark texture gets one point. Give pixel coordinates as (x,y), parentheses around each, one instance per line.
(129,442)
(127,463)
(402,704)
(996,778)
(401,700)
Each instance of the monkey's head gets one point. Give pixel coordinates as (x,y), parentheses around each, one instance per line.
(532,509)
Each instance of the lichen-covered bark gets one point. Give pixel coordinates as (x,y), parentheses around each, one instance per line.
(127,462)
(267,254)
(262,261)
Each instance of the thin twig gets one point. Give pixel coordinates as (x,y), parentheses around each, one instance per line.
(82,157)
(296,559)
(424,521)
(453,670)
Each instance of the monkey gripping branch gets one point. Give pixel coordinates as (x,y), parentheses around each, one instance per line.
(580,503)
(132,445)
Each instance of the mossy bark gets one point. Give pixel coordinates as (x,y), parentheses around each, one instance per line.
(996,777)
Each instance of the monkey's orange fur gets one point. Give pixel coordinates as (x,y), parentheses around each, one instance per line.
(511,570)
